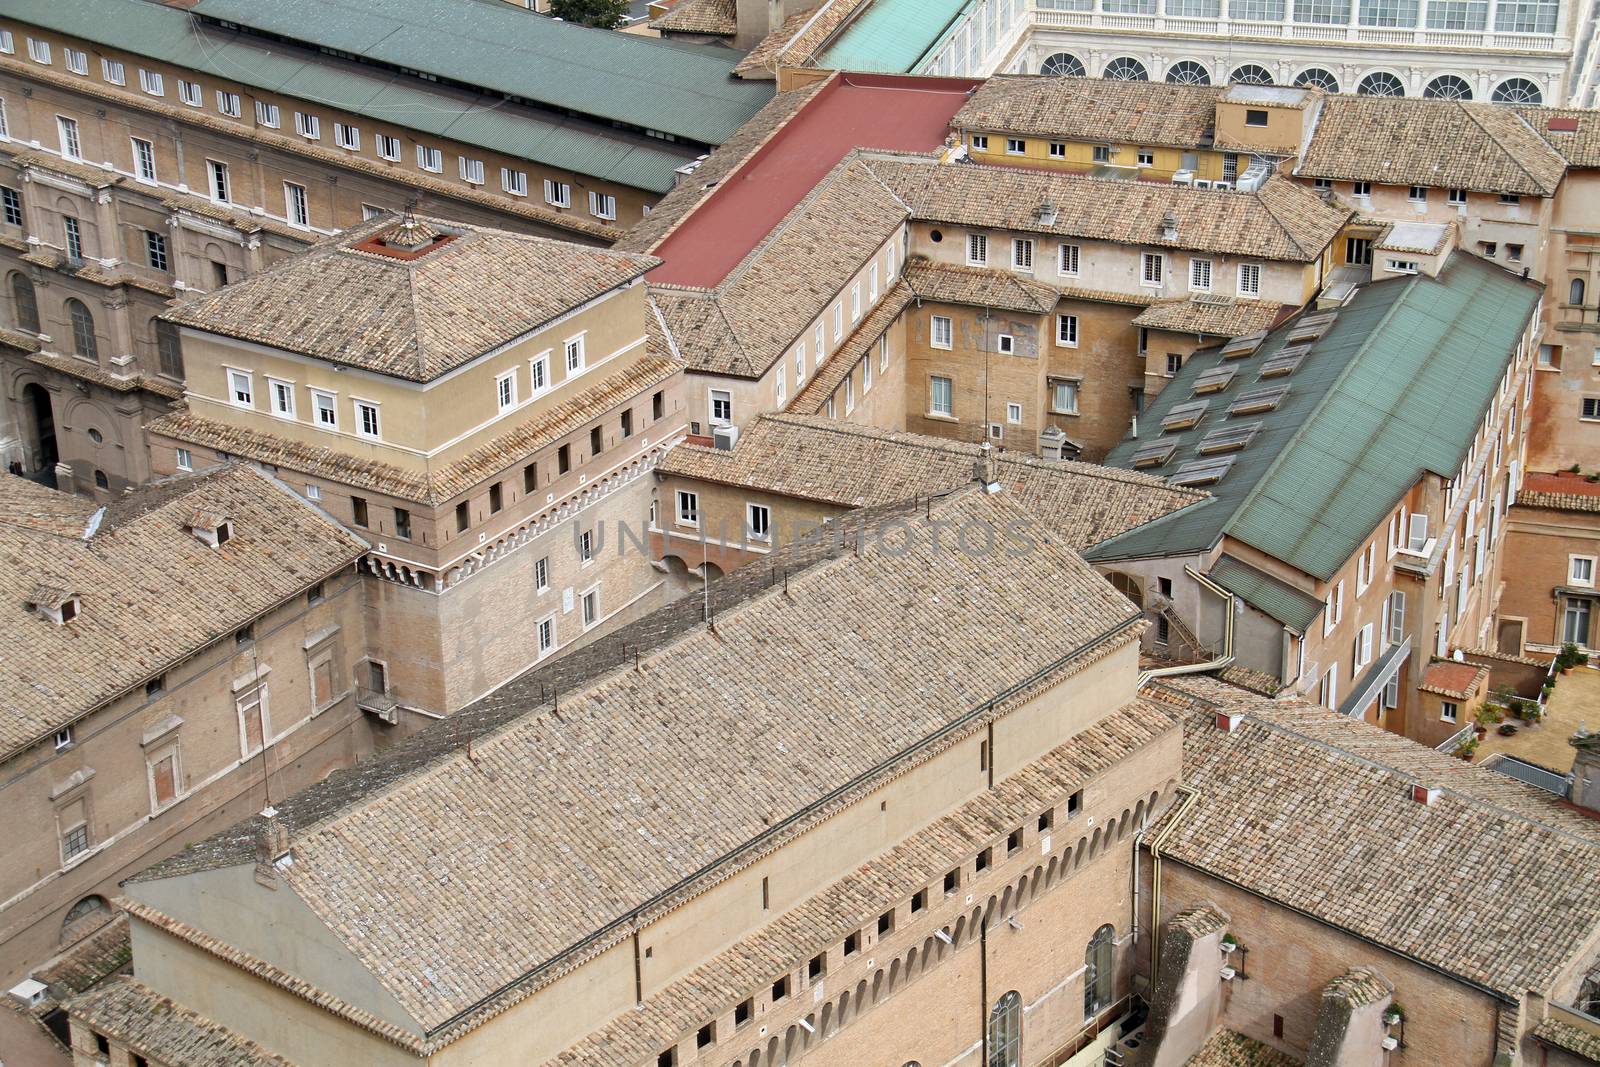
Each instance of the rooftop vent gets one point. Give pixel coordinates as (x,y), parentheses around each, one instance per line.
(29,992)
(1240,347)
(1285,362)
(1154,455)
(1169,226)
(725,437)
(1311,327)
(1228,721)
(1424,794)
(54,603)
(1047,213)
(413,238)
(1202,471)
(1256,400)
(210,527)
(1228,438)
(1183,416)
(1214,380)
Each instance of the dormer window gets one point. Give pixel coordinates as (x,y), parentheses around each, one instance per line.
(210,528)
(54,604)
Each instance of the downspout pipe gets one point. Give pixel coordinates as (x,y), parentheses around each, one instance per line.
(1225,658)
(1190,795)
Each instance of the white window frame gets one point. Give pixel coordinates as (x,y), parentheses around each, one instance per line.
(1449,711)
(545,629)
(799,365)
(1016,146)
(1588,565)
(505,391)
(430,159)
(1014,413)
(76,61)
(361,407)
(1022,254)
(602,205)
(1005,344)
(71,138)
(781,383)
(977,250)
(191,93)
(280,398)
(541,575)
(1366,564)
(1152,269)
(152,82)
(184,459)
(1362,650)
(590,620)
(1066,331)
(220,180)
(154,759)
(1068,260)
(112,70)
(308,125)
(539,373)
(39,51)
(933,393)
(557,194)
(471,170)
(575,355)
(1072,386)
(296,206)
(758,530)
(855,302)
(347,136)
(712,398)
(268,115)
(325,409)
(388,147)
(228,104)
(944,324)
(144,160)
(838,321)
(236,379)
(514,182)
(687,508)
(1249,279)
(1199,275)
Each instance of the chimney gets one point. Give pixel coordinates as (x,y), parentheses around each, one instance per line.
(210,527)
(1169,226)
(1585,769)
(1425,795)
(54,603)
(272,848)
(1047,213)
(1228,721)
(984,469)
(408,236)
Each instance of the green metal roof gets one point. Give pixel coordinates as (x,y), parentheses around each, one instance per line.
(685,90)
(553,139)
(1290,606)
(891,36)
(1395,387)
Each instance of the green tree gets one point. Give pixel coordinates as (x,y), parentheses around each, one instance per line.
(601,14)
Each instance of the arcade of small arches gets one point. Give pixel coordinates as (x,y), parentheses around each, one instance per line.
(1379,82)
(1004,1038)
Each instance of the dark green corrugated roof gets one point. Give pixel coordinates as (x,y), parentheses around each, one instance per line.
(1397,386)
(685,90)
(1290,606)
(567,143)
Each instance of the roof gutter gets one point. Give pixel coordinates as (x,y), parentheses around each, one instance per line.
(1219,662)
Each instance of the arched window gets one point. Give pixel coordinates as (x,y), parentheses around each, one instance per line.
(1188,72)
(1517,91)
(170,349)
(1380,83)
(1575,292)
(1005,1031)
(101,481)
(82,330)
(1317,78)
(27,306)
(1128,586)
(1126,69)
(1099,971)
(1448,87)
(1251,74)
(1063,65)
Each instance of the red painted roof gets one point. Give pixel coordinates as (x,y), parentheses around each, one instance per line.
(894,112)
(1451,677)
(1560,482)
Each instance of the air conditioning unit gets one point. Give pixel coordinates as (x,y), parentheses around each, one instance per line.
(1252,179)
(725,437)
(1224,186)
(1202,183)
(1183,177)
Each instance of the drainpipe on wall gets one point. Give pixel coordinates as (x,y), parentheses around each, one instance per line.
(1226,656)
(1190,795)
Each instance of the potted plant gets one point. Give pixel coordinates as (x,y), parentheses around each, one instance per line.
(1229,943)
(1466,748)
(1393,1014)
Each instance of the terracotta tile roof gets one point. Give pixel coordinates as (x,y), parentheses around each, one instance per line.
(89,962)
(1281,220)
(601,838)
(151,593)
(1452,144)
(1562,491)
(797,41)
(816,458)
(1574,133)
(1564,1035)
(783,945)
(92,372)
(432,487)
(1094,109)
(1227,1048)
(21,341)
(715,17)
(1357,987)
(1451,679)
(688,193)
(347,301)
(978,287)
(159,1029)
(1218,316)
(826,379)
(1301,805)
(743,326)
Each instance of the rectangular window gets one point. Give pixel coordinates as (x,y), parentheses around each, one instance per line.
(1253,117)
(1064,396)
(281,396)
(980,141)
(1249,279)
(838,323)
(758,522)
(322,695)
(389,147)
(296,207)
(557,194)
(547,635)
(347,136)
(239,387)
(1200,275)
(627,424)
(185,459)
(872,283)
(150,82)
(370,212)
(941,332)
(1363,649)
(1154,265)
(1457,198)
(71,146)
(190,92)
(155,250)
(74,240)
(1580,570)
(463,516)
(817,338)
(471,170)
(367,419)
(541,574)
(1591,407)
(782,383)
(1418,194)
(602,205)
(1361,188)
(1014,413)
(514,182)
(855,302)
(1102,153)
(430,159)
(255,725)
(144,160)
(1006,344)
(220,190)
(505,391)
(596,441)
(74,842)
(688,508)
(1068,261)
(326,406)
(39,51)
(940,399)
(575,355)
(1022,254)
(402,523)
(1145,158)
(497,498)
(267,114)
(307,125)
(591,608)
(800,365)
(1058,150)
(228,103)
(563,459)
(1016,146)
(539,373)
(1449,711)
(1402,266)
(76,61)
(112,70)
(977,249)
(1067,331)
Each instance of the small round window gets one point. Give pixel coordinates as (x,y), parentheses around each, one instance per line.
(936,236)
(96,436)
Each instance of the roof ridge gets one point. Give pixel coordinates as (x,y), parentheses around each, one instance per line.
(1472,116)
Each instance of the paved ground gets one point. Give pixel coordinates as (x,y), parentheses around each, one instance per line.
(25,1043)
(1576,700)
